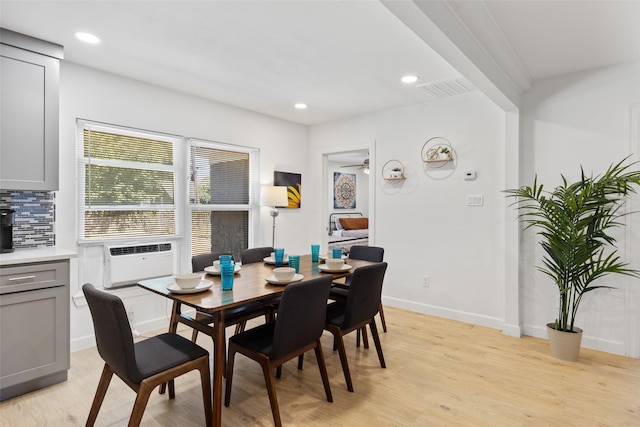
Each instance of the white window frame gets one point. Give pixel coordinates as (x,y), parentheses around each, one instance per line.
(253,207)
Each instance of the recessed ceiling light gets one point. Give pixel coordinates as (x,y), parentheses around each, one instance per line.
(87,38)
(300,106)
(409,79)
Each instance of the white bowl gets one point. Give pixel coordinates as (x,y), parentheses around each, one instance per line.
(334,263)
(283,274)
(188,281)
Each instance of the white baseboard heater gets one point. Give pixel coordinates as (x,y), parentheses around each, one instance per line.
(126,265)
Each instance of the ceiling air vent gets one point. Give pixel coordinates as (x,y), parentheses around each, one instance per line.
(447,88)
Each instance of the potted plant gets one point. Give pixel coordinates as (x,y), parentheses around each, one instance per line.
(444,153)
(574,222)
(396,172)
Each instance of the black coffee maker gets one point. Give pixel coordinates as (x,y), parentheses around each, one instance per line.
(6,230)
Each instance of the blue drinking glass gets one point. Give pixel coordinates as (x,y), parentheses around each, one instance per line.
(279,256)
(336,253)
(294,262)
(315,253)
(226,274)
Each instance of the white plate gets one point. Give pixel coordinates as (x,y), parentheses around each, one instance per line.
(214,271)
(202,286)
(323,267)
(272,279)
(324,256)
(270,260)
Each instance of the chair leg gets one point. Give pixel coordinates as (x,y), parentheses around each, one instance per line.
(103,385)
(358,338)
(300,361)
(140,404)
(365,337)
(376,340)
(323,370)
(172,390)
(271,390)
(337,333)
(205,380)
(279,371)
(384,323)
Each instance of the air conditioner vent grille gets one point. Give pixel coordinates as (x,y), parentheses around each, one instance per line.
(139,249)
(447,88)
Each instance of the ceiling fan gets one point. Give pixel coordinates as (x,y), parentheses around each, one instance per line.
(364,166)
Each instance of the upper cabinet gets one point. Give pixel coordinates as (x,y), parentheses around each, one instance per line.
(29,75)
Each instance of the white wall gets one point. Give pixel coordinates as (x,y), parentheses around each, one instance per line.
(89,94)
(580,119)
(423,222)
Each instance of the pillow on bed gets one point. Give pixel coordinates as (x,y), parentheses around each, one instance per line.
(354,223)
(336,221)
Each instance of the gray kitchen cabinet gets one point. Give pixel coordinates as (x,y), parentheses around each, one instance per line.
(29,80)
(34,326)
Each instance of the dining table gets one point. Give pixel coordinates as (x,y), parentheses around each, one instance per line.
(249,285)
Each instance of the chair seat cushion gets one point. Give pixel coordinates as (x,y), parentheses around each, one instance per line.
(162,352)
(335,313)
(338,294)
(258,339)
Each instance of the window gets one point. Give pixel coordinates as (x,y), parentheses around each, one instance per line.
(127,182)
(222,183)
(131,185)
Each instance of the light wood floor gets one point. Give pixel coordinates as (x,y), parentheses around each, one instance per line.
(439,373)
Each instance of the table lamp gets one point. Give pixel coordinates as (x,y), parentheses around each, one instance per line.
(273,196)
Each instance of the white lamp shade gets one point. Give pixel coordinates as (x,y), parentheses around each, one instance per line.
(273,196)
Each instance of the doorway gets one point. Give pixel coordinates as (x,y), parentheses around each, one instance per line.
(355,164)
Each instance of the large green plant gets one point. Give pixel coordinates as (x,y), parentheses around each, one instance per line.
(574,222)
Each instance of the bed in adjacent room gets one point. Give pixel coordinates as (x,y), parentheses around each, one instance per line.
(348,229)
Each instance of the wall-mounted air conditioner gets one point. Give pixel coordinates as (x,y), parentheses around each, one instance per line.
(126,265)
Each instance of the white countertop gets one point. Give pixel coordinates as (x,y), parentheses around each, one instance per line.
(30,255)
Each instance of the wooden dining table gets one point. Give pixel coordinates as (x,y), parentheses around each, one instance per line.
(249,285)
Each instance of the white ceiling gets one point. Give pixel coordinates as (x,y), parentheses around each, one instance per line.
(342,58)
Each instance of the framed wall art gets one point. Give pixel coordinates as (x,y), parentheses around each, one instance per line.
(344,190)
(293,182)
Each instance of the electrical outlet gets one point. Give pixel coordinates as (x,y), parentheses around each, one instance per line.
(426,281)
(475,199)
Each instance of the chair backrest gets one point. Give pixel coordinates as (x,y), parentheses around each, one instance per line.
(252,255)
(113,333)
(301,315)
(199,262)
(365,292)
(367,253)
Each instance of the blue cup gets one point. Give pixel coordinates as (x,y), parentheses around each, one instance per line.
(315,253)
(226,274)
(225,259)
(336,253)
(294,262)
(279,256)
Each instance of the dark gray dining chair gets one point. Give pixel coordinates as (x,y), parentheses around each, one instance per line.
(233,316)
(296,330)
(201,261)
(143,365)
(357,311)
(339,291)
(253,255)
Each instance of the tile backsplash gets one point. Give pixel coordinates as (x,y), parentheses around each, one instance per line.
(34,219)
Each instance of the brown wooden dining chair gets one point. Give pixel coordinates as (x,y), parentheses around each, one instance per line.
(339,291)
(357,311)
(143,365)
(296,330)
